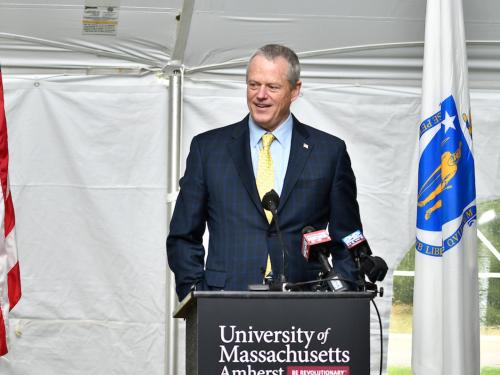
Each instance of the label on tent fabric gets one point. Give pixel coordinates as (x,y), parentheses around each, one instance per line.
(100,17)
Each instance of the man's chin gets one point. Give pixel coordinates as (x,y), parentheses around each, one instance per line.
(265,125)
(263,121)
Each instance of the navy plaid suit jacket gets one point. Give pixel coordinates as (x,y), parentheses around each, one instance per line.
(218,190)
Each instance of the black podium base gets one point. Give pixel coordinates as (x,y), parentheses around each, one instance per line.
(276,333)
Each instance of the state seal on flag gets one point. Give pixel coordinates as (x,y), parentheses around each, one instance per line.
(446,189)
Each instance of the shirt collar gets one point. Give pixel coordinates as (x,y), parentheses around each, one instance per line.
(282,133)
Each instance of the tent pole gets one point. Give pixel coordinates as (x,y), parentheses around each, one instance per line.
(173,175)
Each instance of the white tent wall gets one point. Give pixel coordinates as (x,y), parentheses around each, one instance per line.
(88,179)
(88,153)
(380,127)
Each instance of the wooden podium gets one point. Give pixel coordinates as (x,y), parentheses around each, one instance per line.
(277,333)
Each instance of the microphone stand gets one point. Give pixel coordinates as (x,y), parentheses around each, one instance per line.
(361,274)
(270,202)
(284,253)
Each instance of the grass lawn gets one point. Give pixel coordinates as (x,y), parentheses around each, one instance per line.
(401,321)
(407,371)
(399,371)
(490,371)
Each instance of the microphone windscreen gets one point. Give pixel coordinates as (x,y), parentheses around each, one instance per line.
(375,268)
(271,201)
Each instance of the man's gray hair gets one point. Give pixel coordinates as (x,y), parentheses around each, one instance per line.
(273,51)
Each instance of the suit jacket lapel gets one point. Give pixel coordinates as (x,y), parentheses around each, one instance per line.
(243,161)
(299,153)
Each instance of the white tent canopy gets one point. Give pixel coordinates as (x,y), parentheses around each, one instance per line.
(90,120)
(375,39)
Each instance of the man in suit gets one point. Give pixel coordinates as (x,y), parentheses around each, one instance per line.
(223,185)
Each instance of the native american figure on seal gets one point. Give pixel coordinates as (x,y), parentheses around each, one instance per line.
(445,172)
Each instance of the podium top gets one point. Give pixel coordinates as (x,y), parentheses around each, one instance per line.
(190,300)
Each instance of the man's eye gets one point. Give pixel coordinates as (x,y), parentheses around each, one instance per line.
(274,88)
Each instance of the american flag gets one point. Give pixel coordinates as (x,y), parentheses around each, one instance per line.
(10,280)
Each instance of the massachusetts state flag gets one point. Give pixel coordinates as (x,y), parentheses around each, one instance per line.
(446,298)
(10,281)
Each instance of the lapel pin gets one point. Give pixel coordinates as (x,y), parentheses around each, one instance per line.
(306,146)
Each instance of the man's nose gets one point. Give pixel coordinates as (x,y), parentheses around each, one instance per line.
(262,93)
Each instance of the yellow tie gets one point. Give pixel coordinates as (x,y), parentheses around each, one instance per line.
(265,178)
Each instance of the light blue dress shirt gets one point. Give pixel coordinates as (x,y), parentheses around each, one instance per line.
(280,149)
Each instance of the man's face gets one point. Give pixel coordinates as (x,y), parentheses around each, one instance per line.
(269,93)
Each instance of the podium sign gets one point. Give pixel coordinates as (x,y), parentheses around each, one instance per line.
(260,333)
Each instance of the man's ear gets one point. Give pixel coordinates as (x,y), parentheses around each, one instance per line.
(296,90)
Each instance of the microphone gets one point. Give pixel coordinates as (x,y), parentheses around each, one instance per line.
(374,267)
(270,202)
(316,247)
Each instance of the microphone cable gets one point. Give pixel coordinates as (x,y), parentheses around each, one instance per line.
(289,286)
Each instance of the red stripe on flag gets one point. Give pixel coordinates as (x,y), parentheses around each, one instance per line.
(14,284)
(10,218)
(4,148)
(3,336)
